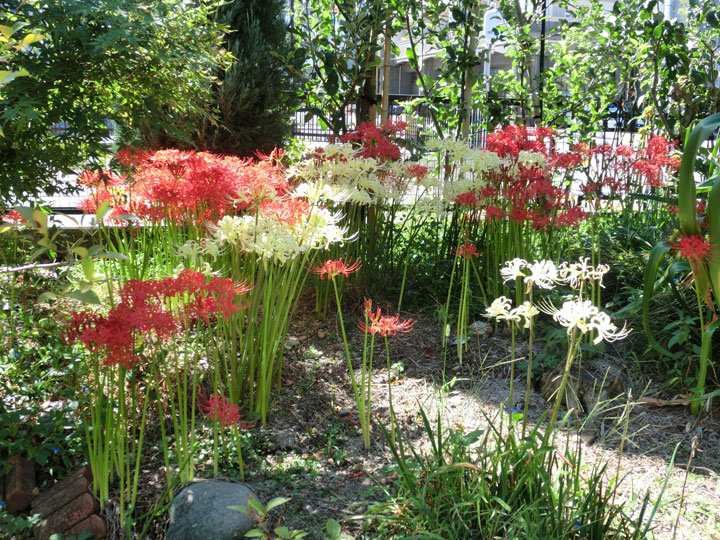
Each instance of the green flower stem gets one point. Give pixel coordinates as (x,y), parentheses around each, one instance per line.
(238,448)
(528,382)
(163,433)
(704,354)
(574,343)
(353,382)
(393,424)
(512,362)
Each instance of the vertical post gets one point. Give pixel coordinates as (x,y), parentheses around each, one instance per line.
(541,64)
(385,106)
(469,75)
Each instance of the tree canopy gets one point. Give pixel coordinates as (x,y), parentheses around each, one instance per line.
(102,64)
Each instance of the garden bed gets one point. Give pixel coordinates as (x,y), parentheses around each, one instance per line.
(311,451)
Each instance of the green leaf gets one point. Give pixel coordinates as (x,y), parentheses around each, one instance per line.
(686,179)
(29,39)
(112,255)
(103,210)
(80,251)
(713,221)
(45,296)
(26,212)
(277,501)
(40,218)
(282,532)
(6,31)
(651,269)
(254,533)
(88,267)
(333,528)
(87,297)
(257,506)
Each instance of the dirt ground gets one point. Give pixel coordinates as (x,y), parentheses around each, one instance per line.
(311,449)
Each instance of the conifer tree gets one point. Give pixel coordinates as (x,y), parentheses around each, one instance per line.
(253,100)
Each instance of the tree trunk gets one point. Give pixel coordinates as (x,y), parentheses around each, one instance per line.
(470,77)
(385,108)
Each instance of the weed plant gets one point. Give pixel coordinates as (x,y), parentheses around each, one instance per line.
(496,484)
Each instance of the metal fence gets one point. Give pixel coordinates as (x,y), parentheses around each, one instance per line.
(308,127)
(616,126)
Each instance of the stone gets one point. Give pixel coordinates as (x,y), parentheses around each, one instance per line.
(64,518)
(70,492)
(93,524)
(199,512)
(283,439)
(19,484)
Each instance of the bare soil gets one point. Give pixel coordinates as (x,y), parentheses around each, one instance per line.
(311,450)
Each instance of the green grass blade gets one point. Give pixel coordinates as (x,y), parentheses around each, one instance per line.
(686,178)
(651,269)
(713,221)
(705,349)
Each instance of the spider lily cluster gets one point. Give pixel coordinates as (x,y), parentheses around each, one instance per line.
(222,247)
(579,316)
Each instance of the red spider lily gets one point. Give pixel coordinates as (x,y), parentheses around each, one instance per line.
(580,148)
(221,410)
(511,140)
(693,247)
(625,151)
(615,185)
(417,171)
(602,149)
(180,186)
(384,325)
(376,141)
(285,210)
(570,217)
(568,161)
(143,311)
(494,213)
(131,157)
(520,215)
(13,216)
(467,251)
(334,267)
(115,334)
(540,221)
(488,192)
(656,161)
(466,199)
(590,188)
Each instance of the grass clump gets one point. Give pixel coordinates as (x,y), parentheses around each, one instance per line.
(493,483)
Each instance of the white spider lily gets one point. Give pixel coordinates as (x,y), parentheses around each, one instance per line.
(586,317)
(499,309)
(575,314)
(575,273)
(525,312)
(278,240)
(211,248)
(606,330)
(543,273)
(190,250)
(513,270)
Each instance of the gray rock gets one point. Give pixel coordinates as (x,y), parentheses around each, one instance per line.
(199,512)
